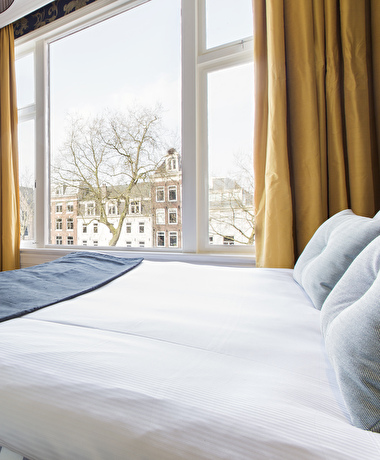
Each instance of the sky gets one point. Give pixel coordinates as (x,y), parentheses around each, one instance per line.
(134,58)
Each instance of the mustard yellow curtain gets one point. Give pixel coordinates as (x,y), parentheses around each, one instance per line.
(317,120)
(9,191)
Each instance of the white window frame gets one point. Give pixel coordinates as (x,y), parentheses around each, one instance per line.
(70,241)
(196,63)
(69,224)
(176,236)
(135,207)
(160,212)
(162,190)
(172,211)
(161,234)
(172,188)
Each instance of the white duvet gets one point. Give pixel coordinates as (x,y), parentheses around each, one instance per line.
(176,361)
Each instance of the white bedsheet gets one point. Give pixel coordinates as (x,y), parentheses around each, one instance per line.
(176,361)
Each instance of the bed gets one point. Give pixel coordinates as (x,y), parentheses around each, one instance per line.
(178,361)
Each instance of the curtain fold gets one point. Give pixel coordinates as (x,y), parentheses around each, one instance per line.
(317,118)
(9,185)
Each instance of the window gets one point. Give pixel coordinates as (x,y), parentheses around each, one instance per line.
(70,240)
(70,223)
(84,228)
(128,244)
(58,224)
(173,239)
(90,209)
(96,243)
(112,209)
(134,207)
(173,216)
(142,244)
(199,72)
(95,227)
(141,227)
(58,239)
(228,240)
(172,193)
(161,239)
(160,216)
(160,194)
(172,164)
(84,243)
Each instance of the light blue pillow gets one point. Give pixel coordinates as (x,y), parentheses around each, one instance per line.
(350,322)
(331,250)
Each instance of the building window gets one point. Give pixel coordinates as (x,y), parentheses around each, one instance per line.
(173,216)
(84,243)
(128,244)
(58,239)
(96,243)
(160,194)
(70,207)
(112,209)
(141,227)
(135,207)
(128,227)
(172,164)
(58,207)
(142,244)
(173,239)
(160,216)
(70,240)
(58,224)
(84,228)
(95,227)
(70,223)
(161,239)
(90,209)
(172,193)
(228,240)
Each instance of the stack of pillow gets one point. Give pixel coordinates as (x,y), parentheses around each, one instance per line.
(340,271)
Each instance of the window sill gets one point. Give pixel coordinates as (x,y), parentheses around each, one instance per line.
(31,256)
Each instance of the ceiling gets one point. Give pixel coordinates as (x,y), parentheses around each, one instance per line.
(19,9)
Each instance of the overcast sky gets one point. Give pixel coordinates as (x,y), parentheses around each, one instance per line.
(135,58)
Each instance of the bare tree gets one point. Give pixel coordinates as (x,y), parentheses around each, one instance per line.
(107,158)
(26,205)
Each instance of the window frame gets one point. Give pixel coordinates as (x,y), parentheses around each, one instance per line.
(197,61)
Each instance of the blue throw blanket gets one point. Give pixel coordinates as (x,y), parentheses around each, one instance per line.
(26,290)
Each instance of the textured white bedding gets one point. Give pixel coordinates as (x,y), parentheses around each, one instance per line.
(176,361)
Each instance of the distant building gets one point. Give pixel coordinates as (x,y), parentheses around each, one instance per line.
(63,213)
(167,202)
(150,214)
(136,229)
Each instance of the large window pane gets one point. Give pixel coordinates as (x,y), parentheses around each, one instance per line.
(115,105)
(230,147)
(227,21)
(25,80)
